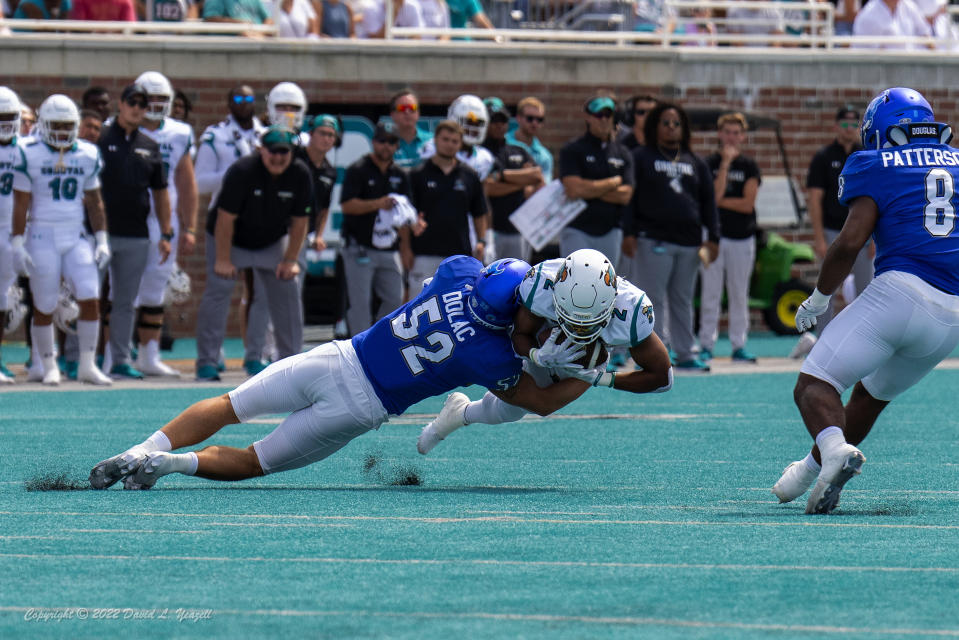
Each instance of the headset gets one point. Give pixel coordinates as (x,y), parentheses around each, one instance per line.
(628,114)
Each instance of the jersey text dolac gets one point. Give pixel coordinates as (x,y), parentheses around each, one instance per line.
(914,187)
(431,344)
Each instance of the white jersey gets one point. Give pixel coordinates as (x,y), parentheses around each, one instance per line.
(175,140)
(57,180)
(11,157)
(479,159)
(632,319)
(220,146)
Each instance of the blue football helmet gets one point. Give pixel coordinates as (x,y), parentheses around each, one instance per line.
(492,303)
(892,107)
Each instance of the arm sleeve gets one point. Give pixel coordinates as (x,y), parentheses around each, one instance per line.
(752,171)
(158,177)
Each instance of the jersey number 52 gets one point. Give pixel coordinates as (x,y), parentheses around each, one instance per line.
(410,329)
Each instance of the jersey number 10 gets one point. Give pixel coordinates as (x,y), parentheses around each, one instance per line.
(63,189)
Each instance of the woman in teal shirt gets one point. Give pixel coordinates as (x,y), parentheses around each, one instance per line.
(43,9)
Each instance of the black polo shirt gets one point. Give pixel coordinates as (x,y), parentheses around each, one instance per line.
(131,168)
(824,173)
(364,180)
(628,139)
(324,179)
(674,198)
(494,146)
(733,224)
(593,159)
(509,157)
(263,203)
(447,201)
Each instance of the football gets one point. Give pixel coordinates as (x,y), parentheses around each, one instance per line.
(595,352)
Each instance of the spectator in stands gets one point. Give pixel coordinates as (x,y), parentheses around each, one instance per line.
(597,169)
(674,203)
(827,215)
(846,12)
(405,113)
(169,10)
(259,221)
(101,10)
(97,99)
(27,120)
(938,16)
(515,177)
(891,18)
(371,255)
(296,19)
(336,19)
(239,11)
(436,15)
(91,125)
(447,192)
(746,20)
(370,16)
(634,118)
(736,180)
(468,11)
(181,107)
(43,9)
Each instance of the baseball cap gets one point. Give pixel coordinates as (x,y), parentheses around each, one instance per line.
(277,136)
(321,120)
(134,89)
(847,112)
(597,104)
(495,106)
(384,132)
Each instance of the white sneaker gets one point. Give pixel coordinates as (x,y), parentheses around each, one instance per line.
(155,368)
(837,469)
(93,375)
(35,372)
(150,469)
(449,420)
(806,342)
(4,379)
(107,472)
(795,481)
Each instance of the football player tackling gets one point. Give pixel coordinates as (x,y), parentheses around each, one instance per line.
(901,190)
(452,334)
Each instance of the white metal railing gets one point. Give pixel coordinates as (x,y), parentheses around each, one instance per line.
(189,27)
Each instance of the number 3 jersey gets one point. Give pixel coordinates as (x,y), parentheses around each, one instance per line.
(11,158)
(57,180)
(175,140)
(431,344)
(632,320)
(914,187)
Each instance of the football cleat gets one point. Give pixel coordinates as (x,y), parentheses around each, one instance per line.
(149,469)
(107,472)
(155,367)
(837,469)
(805,344)
(93,375)
(5,379)
(795,481)
(451,418)
(51,377)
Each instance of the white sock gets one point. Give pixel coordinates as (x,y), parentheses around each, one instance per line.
(492,410)
(185,463)
(43,340)
(829,438)
(88,333)
(811,463)
(157,442)
(149,352)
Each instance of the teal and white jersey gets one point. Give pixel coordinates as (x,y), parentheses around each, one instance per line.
(175,140)
(220,146)
(632,320)
(57,180)
(11,157)
(479,159)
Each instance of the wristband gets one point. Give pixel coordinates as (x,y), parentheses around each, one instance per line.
(818,298)
(102,237)
(167,236)
(605,380)
(16,242)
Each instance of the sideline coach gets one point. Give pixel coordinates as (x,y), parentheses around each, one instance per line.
(259,222)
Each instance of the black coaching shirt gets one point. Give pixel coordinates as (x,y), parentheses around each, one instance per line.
(263,203)
(447,201)
(733,224)
(508,157)
(824,173)
(132,166)
(365,181)
(324,179)
(593,159)
(674,198)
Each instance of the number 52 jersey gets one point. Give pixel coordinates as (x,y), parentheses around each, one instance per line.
(57,180)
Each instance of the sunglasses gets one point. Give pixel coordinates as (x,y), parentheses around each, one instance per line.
(278,151)
(243,99)
(407,108)
(390,141)
(671,123)
(135,102)
(605,114)
(849,124)
(539,119)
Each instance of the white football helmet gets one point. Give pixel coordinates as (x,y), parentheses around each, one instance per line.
(583,295)
(10,108)
(58,121)
(286,93)
(471,114)
(16,310)
(178,288)
(67,310)
(159,94)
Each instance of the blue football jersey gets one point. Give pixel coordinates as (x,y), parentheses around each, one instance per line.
(431,344)
(914,187)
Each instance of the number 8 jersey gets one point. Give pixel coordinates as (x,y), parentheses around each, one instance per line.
(914,187)
(57,181)
(11,159)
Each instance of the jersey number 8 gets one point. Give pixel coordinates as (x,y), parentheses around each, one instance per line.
(939,216)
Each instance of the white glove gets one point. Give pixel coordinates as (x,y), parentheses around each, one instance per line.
(596,377)
(22,262)
(554,356)
(101,254)
(814,306)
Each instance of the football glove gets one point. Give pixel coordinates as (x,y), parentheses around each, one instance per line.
(101,254)
(552,355)
(596,377)
(813,307)
(22,262)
